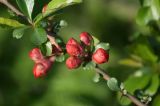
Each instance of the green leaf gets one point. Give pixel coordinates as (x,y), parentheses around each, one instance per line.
(96,77)
(89,65)
(105,46)
(59,40)
(96,41)
(155,7)
(19,32)
(137,81)
(56,5)
(38,36)
(38,18)
(48,49)
(147,55)
(142,48)
(154,84)
(60,58)
(130,62)
(142,78)
(63,23)
(144,16)
(113,84)
(149,11)
(26,6)
(10,22)
(156,101)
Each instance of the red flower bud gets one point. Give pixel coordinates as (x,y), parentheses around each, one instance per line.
(86,38)
(44,8)
(72,41)
(40,69)
(73,62)
(74,48)
(36,55)
(100,56)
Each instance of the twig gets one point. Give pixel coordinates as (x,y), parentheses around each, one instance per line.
(101,71)
(10,6)
(53,42)
(128,95)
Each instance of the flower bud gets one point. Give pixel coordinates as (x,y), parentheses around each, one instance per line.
(44,8)
(100,56)
(73,62)
(72,41)
(36,55)
(86,38)
(74,48)
(40,69)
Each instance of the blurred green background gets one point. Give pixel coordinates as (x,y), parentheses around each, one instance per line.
(111,21)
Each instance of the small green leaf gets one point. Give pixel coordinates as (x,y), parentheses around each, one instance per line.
(43,24)
(144,16)
(38,18)
(10,22)
(59,40)
(63,23)
(26,6)
(60,58)
(48,49)
(113,84)
(56,5)
(38,36)
(96,77)
(89,66)
(19,32)
(96,41)
(124,101)
(154,84)
(105,46)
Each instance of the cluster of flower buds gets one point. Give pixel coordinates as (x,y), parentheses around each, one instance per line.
(42,64)
(78,52)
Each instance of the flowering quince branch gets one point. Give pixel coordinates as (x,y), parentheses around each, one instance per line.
(88,51)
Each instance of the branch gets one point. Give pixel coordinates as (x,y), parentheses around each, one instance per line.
(10,6)
(128,95)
